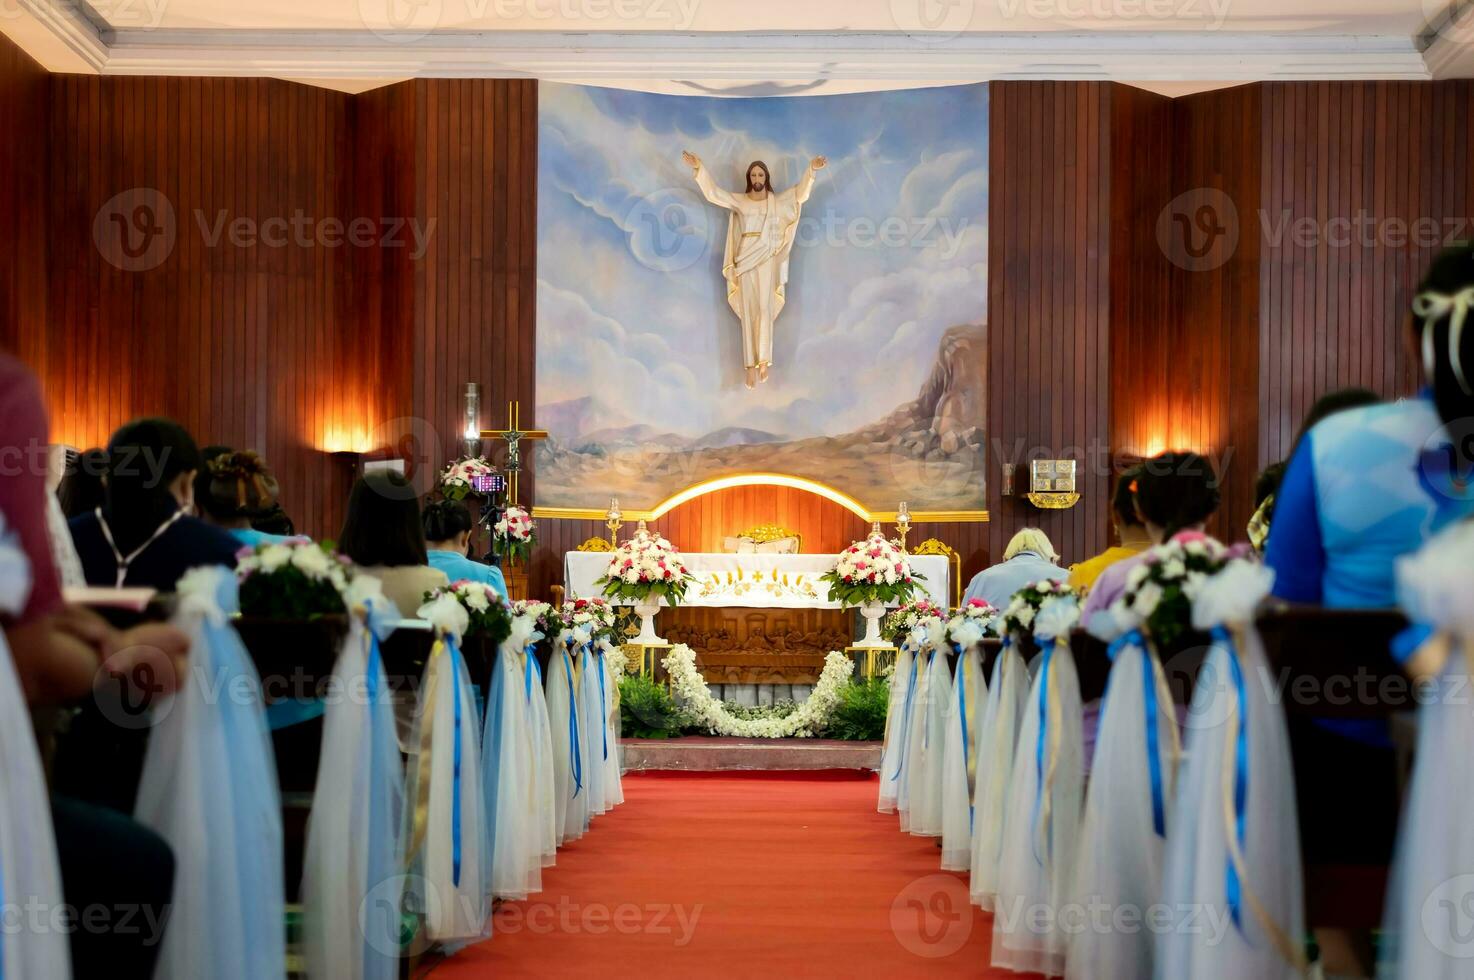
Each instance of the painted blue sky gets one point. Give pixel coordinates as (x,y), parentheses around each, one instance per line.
(891,251)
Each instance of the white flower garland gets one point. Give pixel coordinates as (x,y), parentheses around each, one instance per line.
(687,682)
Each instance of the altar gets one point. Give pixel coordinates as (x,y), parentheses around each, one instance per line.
(760,624)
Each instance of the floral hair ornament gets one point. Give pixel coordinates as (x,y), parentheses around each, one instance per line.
(1432,307)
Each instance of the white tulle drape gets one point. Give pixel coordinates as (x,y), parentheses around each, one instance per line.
(960,758)
(209,788)
(897,724)
(1041,821)
(1003,712)
(1128,814)
(447,848)
(517,768)
(351,885)
(601,709)
(29,876)
(921,806)
(570,762)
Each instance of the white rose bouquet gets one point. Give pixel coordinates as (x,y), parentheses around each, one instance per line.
(1161,589)
(515,534)
(901,621)
(646,566)
(596,614)
(292,580)
(1018,618)
(489,615)
(457,479)
(873,570)
(969,624)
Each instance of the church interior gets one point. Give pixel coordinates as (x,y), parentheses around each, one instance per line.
(646,487)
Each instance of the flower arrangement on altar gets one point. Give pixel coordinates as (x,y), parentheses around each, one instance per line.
(545,618)
(597,614)
(968,625)
(806,720)
(901,621)
(1018,618)
(1161,589)
(646,568)
(873,570)
(515,534)
(292,580)
(489,615)
(457,480)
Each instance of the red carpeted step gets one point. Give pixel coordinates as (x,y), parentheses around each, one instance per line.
(740,874)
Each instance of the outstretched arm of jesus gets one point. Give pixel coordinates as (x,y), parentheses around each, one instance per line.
(709,190)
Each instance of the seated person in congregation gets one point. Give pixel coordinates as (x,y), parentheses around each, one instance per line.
(1364,488)
(239,488)
(447,536)
(384,536)
(143,534)
(1129,531)
(1029,558)
(1175,495)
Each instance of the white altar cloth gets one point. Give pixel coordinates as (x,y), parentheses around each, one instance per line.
(763,581)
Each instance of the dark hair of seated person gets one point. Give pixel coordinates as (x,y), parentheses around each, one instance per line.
(151,464)
(1177,491)
(383,524)
(202,479)
(446,520)
(240,489)
(1333,403)
(1123,498)
(1268,482)
(275,521)
(81,488)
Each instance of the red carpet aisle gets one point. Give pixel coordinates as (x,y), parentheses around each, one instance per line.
(740,874)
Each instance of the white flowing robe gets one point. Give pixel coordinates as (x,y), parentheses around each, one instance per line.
(760,237)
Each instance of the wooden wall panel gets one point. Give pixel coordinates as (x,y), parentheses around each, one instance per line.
(1351,172)
(1048,300)
(23,192)
(239,331)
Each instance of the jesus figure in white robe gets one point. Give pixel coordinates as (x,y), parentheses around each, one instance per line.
(760,233)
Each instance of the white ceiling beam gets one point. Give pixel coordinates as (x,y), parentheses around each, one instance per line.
(789,57)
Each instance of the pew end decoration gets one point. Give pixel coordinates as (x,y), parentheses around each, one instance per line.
(900,621)
(645,571)
(1041,825)
(351,887)
(292,580)
(209,788)
(29,872)
(515,535)
(1233,842)
(1435,855)
(487,616)
(446,848)
(965,631)
(871,575)
(1128,808)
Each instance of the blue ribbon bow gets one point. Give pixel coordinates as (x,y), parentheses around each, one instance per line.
(452,650)
(1232,886)
(906,719)
(962,718)
(532,666)
(1041,747)
(603,706)
(575,753)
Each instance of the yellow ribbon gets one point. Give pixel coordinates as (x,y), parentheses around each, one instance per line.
(423,763)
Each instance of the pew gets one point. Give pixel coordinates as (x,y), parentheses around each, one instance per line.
(1334,665)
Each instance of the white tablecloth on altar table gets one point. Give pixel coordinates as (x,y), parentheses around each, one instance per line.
(766,581)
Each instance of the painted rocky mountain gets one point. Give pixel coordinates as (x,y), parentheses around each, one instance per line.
(928,452)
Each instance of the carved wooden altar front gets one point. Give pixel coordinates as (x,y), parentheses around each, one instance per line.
(758,646)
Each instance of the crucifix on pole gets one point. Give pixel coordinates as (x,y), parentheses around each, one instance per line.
(513,435)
